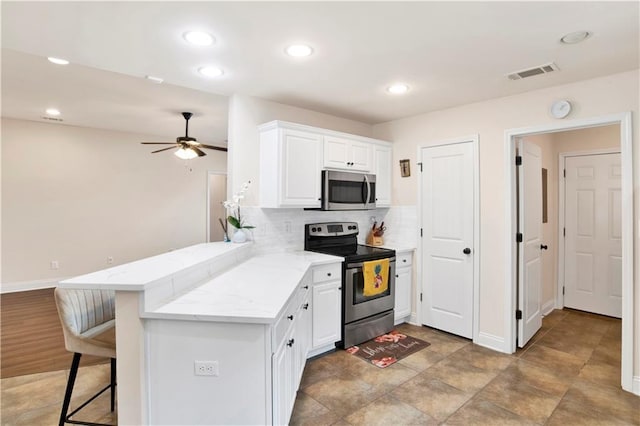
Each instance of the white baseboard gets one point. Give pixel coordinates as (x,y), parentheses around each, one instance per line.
(30,285)
(548,307)
(413,319)
(636,385)
(490,341)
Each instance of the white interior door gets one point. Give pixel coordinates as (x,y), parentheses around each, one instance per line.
(530,226)
(593,249)
(447,221)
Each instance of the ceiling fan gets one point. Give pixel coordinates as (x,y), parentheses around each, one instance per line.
(188,147)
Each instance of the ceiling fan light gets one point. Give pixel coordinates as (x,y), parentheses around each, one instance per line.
(185,153)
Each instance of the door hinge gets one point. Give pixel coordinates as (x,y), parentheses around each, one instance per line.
(519,237)
(563,290)
(420,232)
(420,164)
(518,314)
(564,232)
(518,160)
(564,172)
(421,297)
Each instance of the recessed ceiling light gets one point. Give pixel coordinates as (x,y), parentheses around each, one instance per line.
(575,37)
(58,61)
(210,71)
(398,88)
(299,50)
(157,80)
(199,38)
(52,111)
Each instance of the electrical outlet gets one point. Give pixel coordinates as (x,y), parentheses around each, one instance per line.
(205,368)
(54,265)
(110,260)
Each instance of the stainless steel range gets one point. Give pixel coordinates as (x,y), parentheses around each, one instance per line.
(363,317)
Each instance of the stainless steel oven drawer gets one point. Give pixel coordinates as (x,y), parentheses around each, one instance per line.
(368,328)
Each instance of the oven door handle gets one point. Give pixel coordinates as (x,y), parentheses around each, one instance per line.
(361,264)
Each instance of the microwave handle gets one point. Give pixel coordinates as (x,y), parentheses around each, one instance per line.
(366,180)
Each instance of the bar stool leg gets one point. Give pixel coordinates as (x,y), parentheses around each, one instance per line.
(67,395)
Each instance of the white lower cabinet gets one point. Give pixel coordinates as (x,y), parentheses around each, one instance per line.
(290,357)
(260,365)
(402,308)
(327,307)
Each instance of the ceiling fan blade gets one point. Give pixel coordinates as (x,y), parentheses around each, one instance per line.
(158,143)
(198,151)
(219,148)
(163,149)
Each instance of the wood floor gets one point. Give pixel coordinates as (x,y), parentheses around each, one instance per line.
(31,338)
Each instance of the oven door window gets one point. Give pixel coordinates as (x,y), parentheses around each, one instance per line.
(358,293)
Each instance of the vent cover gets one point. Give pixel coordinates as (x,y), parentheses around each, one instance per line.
(51,118)
(541,69)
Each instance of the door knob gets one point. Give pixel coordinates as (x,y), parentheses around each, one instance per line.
(466,250)
(543,247)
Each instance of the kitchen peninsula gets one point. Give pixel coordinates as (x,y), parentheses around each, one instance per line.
(211,334)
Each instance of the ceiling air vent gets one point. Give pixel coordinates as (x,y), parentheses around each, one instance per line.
(541,69)
(51,118)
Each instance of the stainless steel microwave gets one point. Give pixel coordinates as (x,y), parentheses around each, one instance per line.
(348,191)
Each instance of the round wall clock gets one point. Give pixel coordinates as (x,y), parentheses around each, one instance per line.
(560,109)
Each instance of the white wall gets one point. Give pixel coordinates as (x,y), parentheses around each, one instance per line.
(246,114)
(78,195)
(606,95)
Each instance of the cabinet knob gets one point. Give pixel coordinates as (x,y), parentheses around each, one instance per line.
(328,274)
(306,287)
(290,342)
(404,260)
(305,306)
(397,276)
(543,247)
(290,317)
(339,288)
(467,250)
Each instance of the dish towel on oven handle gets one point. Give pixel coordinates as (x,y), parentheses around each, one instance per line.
(376,277)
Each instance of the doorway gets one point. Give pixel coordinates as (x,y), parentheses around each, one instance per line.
(591,257)
(216,213)
(448,270)
(624,123)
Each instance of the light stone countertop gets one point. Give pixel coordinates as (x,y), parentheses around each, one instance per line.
(255,291)
(143,273)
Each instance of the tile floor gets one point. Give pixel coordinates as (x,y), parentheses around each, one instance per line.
(568,374)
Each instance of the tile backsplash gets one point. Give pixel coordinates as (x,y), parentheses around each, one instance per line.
(280,230)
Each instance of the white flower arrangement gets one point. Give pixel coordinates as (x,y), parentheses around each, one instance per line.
(234,218)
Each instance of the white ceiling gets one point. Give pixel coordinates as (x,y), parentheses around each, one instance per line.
(450,53)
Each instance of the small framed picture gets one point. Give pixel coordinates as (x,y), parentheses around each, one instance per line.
(405,170)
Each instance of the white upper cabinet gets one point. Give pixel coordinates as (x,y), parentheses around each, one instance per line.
(292,157)
(382,158)
(347,154)
(290,168)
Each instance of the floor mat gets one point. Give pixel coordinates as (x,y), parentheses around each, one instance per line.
(387,349)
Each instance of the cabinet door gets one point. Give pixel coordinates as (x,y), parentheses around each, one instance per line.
(360,156)
(302,339)
(336,153)
(382,162)
(402,307)
(301,169)
(326,313)
(281,382)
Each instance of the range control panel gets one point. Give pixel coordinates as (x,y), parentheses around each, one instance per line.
(332,229)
